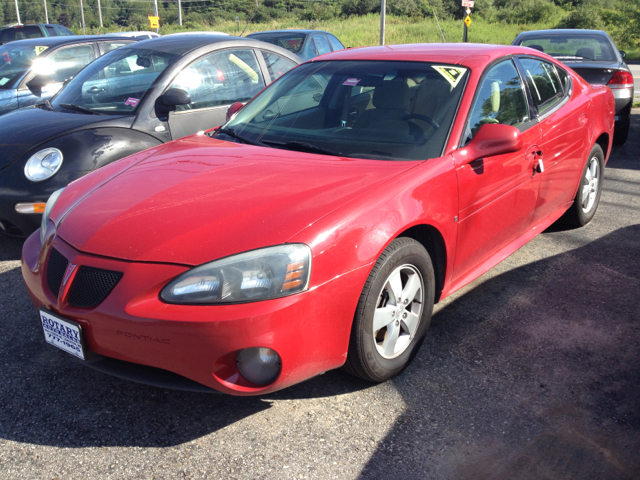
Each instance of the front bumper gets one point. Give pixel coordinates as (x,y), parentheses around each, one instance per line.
(310,331)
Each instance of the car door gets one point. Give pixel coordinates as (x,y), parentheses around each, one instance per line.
(214,82)
(497,195)
(60,65)
(563,118)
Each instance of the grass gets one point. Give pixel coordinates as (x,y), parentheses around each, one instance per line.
(365,30)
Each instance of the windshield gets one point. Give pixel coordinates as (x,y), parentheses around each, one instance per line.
(582,48)
(291,41)
(15,61)
(364,109)
(115,83)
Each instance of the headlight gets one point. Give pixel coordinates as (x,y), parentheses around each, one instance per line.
(263,274)
(44,164)
(47,211)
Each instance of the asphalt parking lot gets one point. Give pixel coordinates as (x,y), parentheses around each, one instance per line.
(530,372)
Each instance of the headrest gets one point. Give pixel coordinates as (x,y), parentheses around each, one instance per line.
(586,53)
(536,47)
(392,95)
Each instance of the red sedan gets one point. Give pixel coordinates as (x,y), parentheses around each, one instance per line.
(318,227)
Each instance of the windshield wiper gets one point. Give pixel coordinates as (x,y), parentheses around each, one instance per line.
(78,108)
(231,132)
(305,147)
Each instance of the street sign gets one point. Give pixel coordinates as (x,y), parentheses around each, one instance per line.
(467,3)
(467,21)
(154,22)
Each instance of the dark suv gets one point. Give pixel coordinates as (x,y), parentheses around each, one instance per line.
(9,33)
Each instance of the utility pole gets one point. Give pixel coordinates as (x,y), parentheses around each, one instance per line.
(155,11)
(84,29)
(18,13)
(180,12)
(46,14)
(99,12)
(383,10)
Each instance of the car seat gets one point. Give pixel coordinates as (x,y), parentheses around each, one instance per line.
(585,52)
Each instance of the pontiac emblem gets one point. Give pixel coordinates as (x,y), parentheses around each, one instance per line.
(70,268)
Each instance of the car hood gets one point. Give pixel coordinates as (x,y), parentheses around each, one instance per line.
(199,199)
(24,129)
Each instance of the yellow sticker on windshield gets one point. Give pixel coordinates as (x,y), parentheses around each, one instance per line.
(453,75)
(39,50)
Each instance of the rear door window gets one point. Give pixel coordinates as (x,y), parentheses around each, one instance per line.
(276,65)
(544,85)
(321,44)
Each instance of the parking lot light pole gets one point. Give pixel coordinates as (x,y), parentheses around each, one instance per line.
(18,13)
(84,30)
(46,14)
(180,12)
(99,12)
(383,9)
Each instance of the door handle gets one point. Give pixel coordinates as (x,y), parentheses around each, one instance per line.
(539,166)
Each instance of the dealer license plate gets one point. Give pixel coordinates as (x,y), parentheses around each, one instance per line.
(61,333)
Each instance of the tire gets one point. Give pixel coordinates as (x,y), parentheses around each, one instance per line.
(621,134)
(587,198)
(379,355)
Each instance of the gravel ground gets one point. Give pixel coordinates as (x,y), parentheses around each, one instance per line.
(532,371)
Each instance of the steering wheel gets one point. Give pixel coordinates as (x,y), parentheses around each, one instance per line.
(424,118)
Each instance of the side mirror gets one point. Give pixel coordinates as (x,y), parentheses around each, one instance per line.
(623,54)
(233,109)
(37,83)
(492,139)
(174,97)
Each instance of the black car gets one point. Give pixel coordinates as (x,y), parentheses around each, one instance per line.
(19,31)
(133,98)
(594,56)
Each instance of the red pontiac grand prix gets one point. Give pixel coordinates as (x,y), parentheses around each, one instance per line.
(317,228)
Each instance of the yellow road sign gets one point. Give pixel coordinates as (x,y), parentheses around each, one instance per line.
(154,22)
(467,21)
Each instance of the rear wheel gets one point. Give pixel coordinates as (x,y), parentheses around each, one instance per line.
(587,199)
(393,313)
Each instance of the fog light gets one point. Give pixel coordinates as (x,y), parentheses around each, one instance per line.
(259,365)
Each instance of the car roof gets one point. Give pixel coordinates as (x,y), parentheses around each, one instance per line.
(561,31)
(183,44)
(447,53)
(63,40)
(308,31)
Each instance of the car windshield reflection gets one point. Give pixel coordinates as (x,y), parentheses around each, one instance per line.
(363,109)
(116,83)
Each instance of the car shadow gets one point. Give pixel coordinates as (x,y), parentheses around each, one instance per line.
(530,374)
(49,398)
(10,248)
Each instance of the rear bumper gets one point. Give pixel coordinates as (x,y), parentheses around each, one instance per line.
(310,331)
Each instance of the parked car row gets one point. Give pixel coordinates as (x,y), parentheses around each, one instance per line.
(311,222)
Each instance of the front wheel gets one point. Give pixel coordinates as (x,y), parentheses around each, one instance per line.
(393,313)
(587,198)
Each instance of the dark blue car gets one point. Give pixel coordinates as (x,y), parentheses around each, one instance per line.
(306,44)
(53,59)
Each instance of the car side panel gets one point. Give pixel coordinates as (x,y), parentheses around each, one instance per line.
(565,145)
(356,234)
